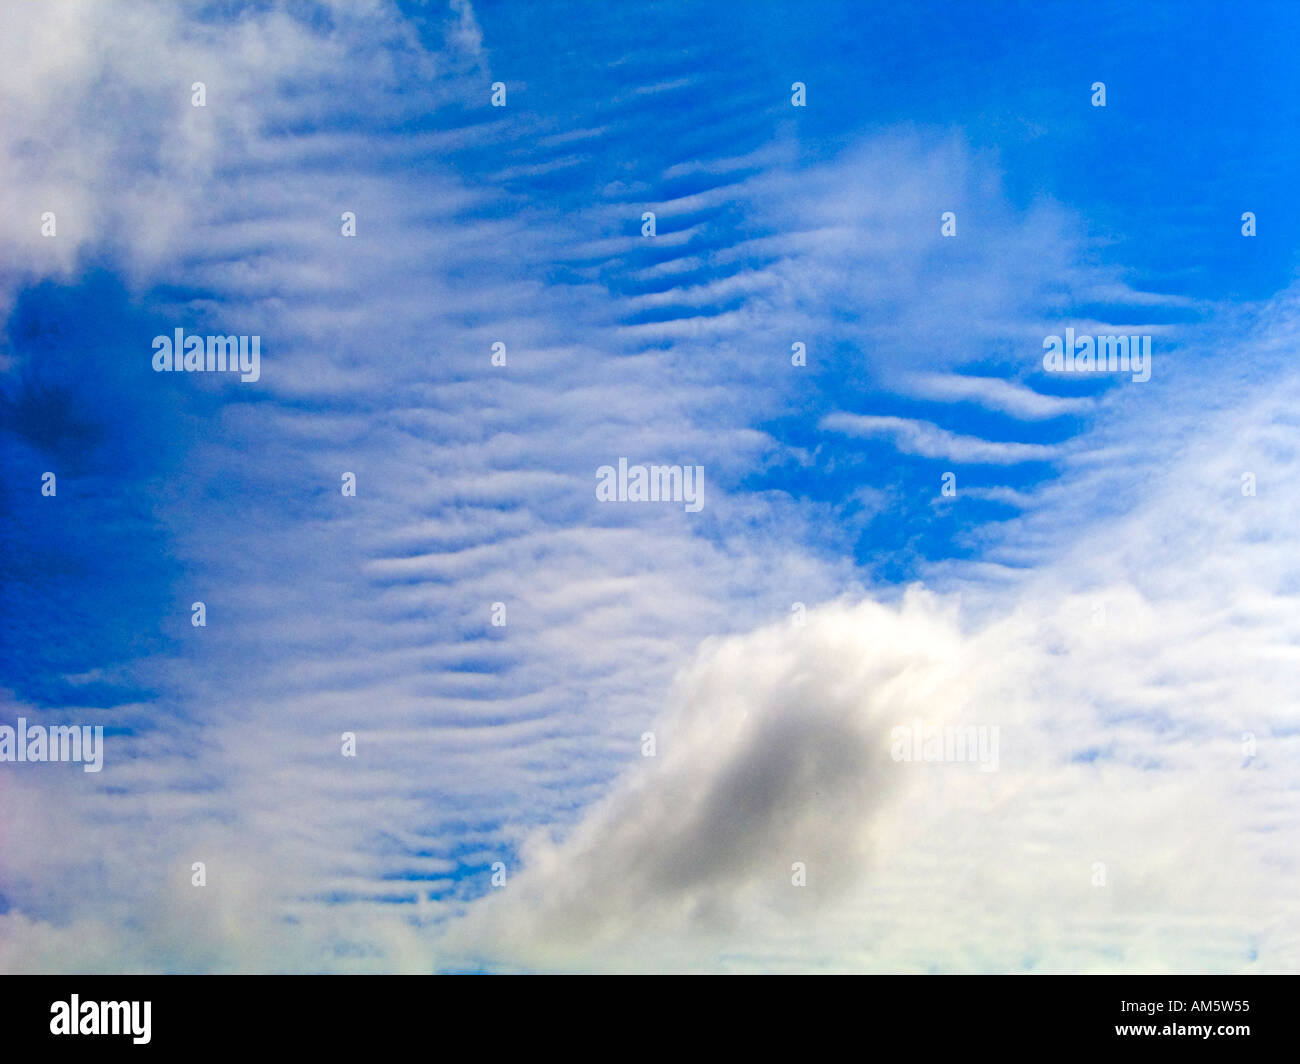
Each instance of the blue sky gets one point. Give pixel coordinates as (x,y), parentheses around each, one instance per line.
(475,485)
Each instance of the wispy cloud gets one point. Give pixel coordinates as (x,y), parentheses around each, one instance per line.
(995,393)
(930,441)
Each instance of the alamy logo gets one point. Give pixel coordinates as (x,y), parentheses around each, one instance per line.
(1102,354)
(102,1017)
(59,743)
(210,354)
(656,483)
(969,743)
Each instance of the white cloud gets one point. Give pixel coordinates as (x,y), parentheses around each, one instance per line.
(1123,674)
(996,393)
(922,438)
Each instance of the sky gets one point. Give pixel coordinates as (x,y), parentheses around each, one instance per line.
(678,752)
